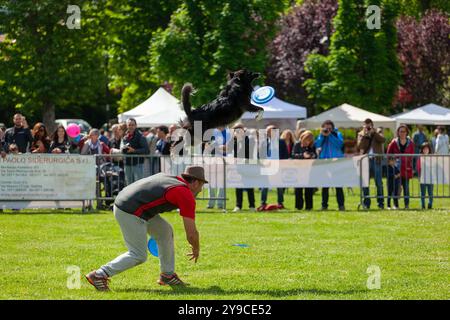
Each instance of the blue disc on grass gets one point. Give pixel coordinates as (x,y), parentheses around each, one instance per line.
(153,247)
(263,95)
(242,245)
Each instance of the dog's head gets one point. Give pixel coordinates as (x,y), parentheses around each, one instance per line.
(243,77)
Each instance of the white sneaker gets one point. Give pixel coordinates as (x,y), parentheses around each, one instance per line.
(252,209)
(236,209)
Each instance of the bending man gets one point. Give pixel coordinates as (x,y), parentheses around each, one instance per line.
(137,209)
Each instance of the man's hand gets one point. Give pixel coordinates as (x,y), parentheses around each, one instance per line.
(131,149)
(194,255)
(369,131)
(192,237)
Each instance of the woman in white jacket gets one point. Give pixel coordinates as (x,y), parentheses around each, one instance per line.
(442,142)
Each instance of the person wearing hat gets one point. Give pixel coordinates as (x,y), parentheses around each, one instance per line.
(137,209)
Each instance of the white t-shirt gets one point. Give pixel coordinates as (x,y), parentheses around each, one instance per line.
(442,144)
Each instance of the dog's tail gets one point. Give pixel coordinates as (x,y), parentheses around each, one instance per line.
(186,92)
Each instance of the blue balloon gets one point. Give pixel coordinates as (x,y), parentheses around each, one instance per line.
(77,138)
(153,247)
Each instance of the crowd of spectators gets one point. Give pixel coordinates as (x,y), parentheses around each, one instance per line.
(126,138)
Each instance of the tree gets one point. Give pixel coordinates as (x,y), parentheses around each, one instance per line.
(207,38)
(305,30)
(362,67)
(45,66)
(423,50)
(132,23)
(418,8)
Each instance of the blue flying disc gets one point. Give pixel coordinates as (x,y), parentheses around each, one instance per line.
(153,247)
(263,95)
(242,245)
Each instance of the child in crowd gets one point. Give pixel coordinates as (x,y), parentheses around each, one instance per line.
(394,182)
(425,164)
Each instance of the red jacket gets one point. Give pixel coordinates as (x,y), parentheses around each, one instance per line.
(406,165)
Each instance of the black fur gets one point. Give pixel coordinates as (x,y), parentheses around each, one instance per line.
(228,107)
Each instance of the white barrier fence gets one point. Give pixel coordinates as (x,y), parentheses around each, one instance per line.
(49,180)
(53,181)
(46,180)
(405,176)
(241,173)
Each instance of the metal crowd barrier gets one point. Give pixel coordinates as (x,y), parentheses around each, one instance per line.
(430,179)
(116,171)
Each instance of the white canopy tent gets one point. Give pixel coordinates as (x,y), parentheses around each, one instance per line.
(347,116)
(430,114)
(276,111)
(160,109)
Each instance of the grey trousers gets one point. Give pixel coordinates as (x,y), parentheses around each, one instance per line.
(134,231)
(219,193)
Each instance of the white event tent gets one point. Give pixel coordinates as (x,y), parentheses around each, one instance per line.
(160,109)
(348,116)
(430,114)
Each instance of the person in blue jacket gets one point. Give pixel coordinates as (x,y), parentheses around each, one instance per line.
(330,144)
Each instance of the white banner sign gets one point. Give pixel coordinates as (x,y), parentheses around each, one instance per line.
(434,170)
(47,177)
(342,172)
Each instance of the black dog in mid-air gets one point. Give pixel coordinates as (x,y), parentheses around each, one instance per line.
(228,107)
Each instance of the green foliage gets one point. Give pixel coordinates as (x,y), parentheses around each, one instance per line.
(206,39)
(46,65)
(127,48)
(132,23)
(133,95)
(302,32)
(362,68)
(417,8)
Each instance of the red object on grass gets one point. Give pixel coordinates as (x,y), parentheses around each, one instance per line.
(271,207)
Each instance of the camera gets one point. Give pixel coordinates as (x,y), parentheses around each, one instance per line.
(125,148)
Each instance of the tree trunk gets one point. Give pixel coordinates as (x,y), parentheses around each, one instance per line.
(48,117)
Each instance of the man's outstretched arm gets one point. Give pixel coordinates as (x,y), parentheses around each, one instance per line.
(192,237)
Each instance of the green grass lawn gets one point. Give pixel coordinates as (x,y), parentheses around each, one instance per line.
(291,254)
